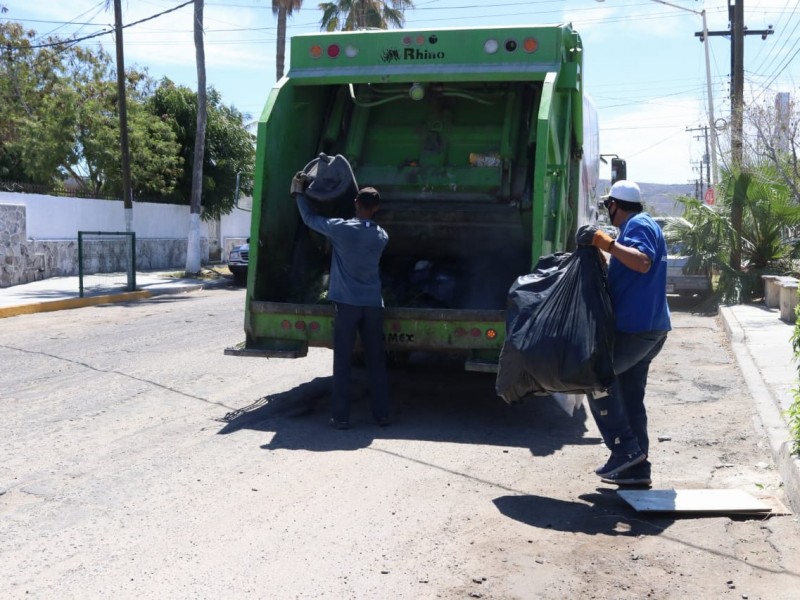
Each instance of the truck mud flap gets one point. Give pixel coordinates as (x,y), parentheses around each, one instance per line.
(480,366)
(240,349)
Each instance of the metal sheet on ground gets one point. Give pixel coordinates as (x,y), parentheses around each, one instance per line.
(694,501)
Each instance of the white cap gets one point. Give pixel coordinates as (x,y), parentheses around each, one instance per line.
(627,191)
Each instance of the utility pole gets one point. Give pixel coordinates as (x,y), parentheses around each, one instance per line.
(705,161)
(127,195)
(737,31)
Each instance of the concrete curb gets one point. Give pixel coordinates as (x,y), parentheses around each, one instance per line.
(768,415)
(53,305)
(68,303)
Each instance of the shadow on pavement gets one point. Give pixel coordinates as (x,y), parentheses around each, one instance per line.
(601,513)
(433,403)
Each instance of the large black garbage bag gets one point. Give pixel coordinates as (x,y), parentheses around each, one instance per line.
(333,186)
(559,329)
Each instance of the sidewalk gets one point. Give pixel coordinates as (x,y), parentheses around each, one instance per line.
(760,341)
(761,344)
(59,293)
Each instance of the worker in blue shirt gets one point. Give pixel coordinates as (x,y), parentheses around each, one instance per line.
(637,278)
(355,290)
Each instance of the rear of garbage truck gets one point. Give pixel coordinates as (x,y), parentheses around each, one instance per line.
(483,148)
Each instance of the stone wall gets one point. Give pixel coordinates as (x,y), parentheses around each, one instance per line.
(23,260)
(18,260)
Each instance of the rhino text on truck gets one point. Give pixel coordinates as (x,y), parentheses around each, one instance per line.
(484,149)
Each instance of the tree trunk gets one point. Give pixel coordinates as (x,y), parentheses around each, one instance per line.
(280,45)
(740,186)
(193,242)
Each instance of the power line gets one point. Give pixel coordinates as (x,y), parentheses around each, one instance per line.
(779,27)
(775,55)
(102,32)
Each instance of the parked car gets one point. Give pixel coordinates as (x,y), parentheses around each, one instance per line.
(680,278)
(237,262)
(610,230)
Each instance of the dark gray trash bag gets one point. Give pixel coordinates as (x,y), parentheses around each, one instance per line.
(333,187)
(559,329)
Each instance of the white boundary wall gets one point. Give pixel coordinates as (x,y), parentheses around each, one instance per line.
(60,218)
(39,240)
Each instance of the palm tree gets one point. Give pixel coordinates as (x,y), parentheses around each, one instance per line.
(769,218)
(348,15)
(283,9)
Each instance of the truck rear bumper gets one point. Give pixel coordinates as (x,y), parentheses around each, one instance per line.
(288,330)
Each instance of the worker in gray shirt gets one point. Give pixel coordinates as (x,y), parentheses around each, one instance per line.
(355,290)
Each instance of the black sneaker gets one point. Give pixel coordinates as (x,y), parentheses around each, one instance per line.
(340,424)
(620,462)
(637,475)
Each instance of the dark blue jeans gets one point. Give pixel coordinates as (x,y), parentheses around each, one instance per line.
(621,416)
(367,322)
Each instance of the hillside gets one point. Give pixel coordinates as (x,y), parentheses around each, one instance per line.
(659,198)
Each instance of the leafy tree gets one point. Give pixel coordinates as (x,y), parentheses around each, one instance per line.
(156,163)
(36,121)
(776,140)
(348,15)
(282,9)
(229,147)
(59,119)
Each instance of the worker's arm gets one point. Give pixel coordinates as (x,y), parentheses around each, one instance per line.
(634,259)
(307,213)
(311,218)
(630,257)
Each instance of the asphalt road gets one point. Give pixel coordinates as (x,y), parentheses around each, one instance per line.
(138,461)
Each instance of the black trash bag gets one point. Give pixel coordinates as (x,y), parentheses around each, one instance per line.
(559,329)
(333,188)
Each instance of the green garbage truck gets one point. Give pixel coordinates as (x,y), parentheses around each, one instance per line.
(484,148)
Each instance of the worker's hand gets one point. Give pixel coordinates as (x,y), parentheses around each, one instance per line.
(299,184)
(589,235)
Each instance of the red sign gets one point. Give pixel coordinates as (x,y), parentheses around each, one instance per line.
(711,196)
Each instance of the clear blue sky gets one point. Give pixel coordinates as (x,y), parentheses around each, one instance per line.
(644,68)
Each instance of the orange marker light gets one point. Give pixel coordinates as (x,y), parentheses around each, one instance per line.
(316,51)
(530,45)
(491,334)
